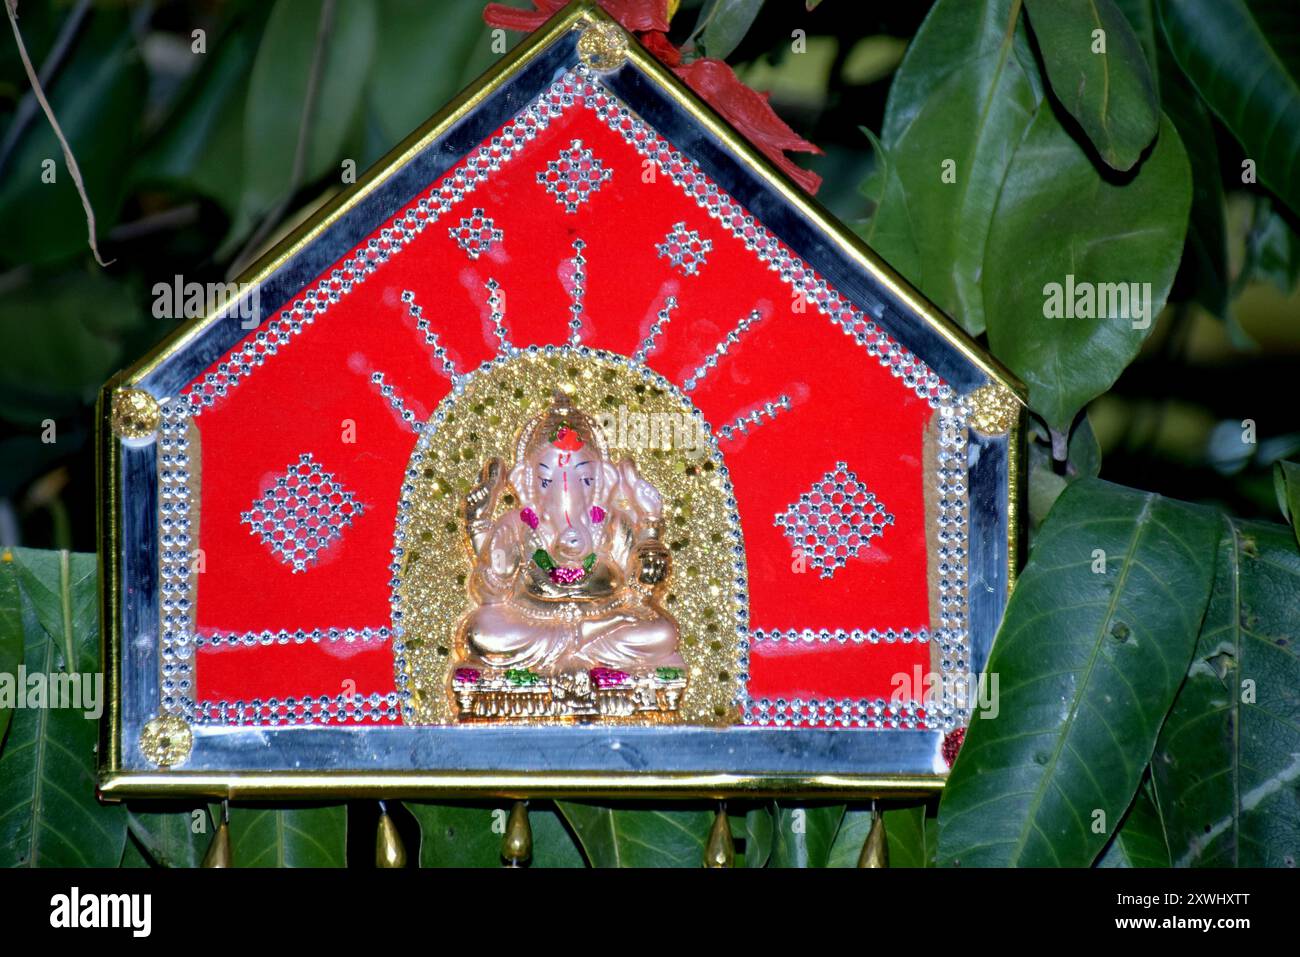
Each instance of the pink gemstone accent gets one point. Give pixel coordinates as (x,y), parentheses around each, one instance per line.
(466,676)
(529,518)
(567,574)
(608,677)
(597,514)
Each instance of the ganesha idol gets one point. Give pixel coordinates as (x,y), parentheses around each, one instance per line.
(565,618)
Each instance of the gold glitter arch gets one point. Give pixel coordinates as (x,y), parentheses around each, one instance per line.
(482,417)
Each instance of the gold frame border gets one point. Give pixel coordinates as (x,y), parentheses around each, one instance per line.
(244,785)
(108,533)
(115,784)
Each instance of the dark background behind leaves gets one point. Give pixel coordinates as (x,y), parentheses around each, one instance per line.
(189,160)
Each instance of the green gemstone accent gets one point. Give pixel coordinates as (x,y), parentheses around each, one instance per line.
(522,676)
(543,559)
(668,674)
(589,561)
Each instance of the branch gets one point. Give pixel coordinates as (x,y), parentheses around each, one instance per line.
(53,61)
(11,8)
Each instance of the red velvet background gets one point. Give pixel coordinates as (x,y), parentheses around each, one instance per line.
(847,407)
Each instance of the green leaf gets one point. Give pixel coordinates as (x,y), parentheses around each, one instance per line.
(49,816)
(759,835)
(445,45)
(61,339)
(64,591)
(725,24)
(1088,660)
(458,835)
(1099,73)
(966,91)
(1059,217)
(908,832)
(912,834)
(1272,249)
(1286,482)
(751,832)
(133,856)
(11,638)
(639,838)
(277,97)
(1242,58)
(802,836)
(1141,16)
(167,833)
(1227,766)
(206,127)
(289,836)
(1203,273)
(1140,839)
(1204,269)
(889,231)
(97,97)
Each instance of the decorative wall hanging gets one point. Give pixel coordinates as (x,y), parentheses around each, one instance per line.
(573,450)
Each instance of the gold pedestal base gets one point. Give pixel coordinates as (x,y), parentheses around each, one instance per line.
(597,695)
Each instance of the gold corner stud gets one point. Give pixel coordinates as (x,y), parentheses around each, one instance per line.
(135,414)
(602,46)
(994,409)
(166,740)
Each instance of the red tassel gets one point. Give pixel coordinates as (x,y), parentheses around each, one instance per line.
(513,18)
(750,112)
(716,83)
(657,43)
(638,15)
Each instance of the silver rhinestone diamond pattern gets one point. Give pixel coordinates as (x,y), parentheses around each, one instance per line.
(574,176)
(476,233)
(834,520)
(685,249)
(302,514)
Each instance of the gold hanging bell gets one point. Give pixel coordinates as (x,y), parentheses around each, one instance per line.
(517,845)
(875,850)
(389,849)
(721,849)
(218,854)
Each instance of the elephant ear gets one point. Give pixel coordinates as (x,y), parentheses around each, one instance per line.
(643,496)
(609,484)
(521,477)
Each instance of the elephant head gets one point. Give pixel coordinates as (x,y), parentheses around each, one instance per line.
(565,480)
